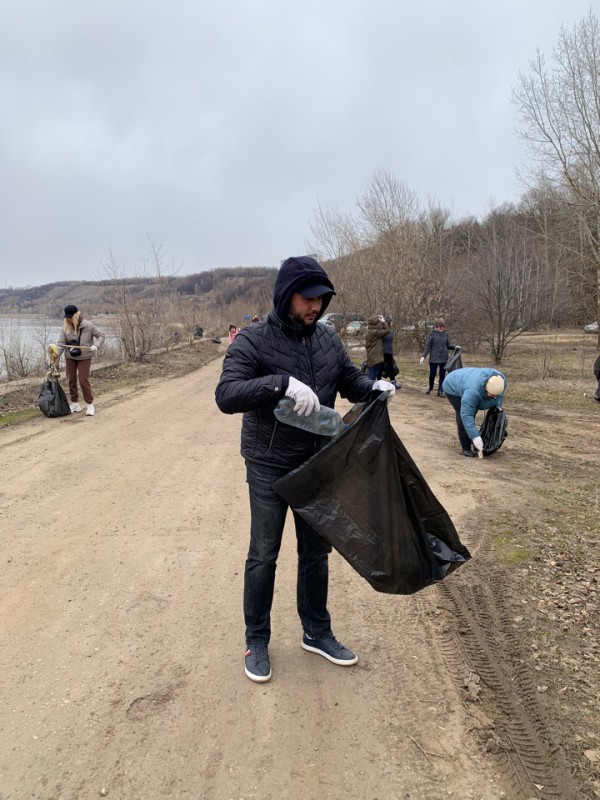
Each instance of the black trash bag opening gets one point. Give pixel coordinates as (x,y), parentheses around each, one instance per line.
(454,361)
(52,400)
(365,495)
(493,430)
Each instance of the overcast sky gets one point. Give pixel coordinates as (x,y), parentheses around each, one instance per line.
(216,128)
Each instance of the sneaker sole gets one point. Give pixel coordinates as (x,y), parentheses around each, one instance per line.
(258,678)
(340,662)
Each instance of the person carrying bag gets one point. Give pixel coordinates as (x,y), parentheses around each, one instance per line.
(80,340)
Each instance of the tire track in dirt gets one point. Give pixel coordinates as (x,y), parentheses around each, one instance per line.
(522,741)
(478,637)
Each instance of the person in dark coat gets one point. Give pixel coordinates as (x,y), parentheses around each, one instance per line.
(390,370)
(288,354)
(437,345)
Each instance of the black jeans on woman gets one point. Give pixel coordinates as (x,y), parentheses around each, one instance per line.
(268,512)
(432,370)
(463,436)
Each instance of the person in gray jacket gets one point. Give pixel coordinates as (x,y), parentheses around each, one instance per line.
(79,339)
(437,345)
(469,390)
(287,354)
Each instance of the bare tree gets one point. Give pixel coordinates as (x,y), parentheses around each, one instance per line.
(560,113)
(17,356)
(147,310)
(503,283)
(377,265)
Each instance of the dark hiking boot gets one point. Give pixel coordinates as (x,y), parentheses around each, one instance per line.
(329,647)
(440,393)
(429,390)
(469,453)
(257,665)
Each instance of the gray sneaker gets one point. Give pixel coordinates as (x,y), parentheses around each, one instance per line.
(329,647)
(257,665)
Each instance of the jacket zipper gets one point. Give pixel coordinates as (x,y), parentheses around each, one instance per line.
(310,366)
(313,386)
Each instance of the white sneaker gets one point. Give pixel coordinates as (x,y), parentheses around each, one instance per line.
(74,407)
(90,411)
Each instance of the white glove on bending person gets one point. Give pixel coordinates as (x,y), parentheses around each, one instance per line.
(478,443)
(422,359)
(306,400)
(94,349)
(385,386)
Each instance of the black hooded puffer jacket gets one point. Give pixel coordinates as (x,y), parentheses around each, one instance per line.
(263,356)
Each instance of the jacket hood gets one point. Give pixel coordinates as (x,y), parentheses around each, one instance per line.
(296,273)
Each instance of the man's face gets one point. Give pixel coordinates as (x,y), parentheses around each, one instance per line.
(305,310)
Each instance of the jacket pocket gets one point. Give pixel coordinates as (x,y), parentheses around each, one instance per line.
(272,439)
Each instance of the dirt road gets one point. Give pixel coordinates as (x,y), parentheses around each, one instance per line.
(123,542)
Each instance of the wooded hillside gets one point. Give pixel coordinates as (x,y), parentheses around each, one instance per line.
(219,289)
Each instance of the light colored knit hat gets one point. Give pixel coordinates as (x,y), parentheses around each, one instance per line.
(495,385)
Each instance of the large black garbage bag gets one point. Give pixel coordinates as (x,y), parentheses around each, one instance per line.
(364,494)
(52,399)
(454,361)
(493,430)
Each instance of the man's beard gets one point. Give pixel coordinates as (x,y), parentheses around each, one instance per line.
(297,319)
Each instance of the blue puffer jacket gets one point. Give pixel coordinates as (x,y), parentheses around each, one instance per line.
(263,356)
(469,383)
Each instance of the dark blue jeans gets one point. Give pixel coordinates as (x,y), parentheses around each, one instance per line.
(463,436)
(268,512)
(432,370)
(376,371)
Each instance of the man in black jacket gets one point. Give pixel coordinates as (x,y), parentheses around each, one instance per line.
(287,354)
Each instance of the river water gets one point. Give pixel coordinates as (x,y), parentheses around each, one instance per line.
(25,339)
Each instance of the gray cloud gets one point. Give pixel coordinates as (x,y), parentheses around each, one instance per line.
(217,128)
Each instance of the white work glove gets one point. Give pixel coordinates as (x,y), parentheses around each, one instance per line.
(422,359)
(478,443)
(306,400)
(94,349)
(385,386)
(381,318)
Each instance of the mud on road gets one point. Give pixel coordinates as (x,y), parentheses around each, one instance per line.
(123,542)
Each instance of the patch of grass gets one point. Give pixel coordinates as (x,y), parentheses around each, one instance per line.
(14,417)
(509,551)
(545,492)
